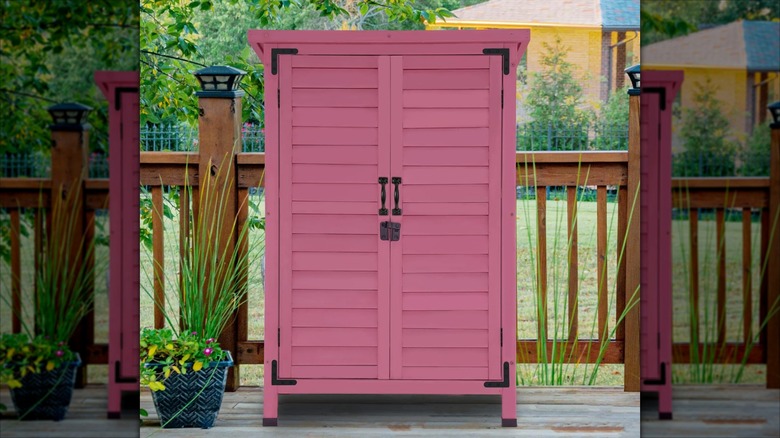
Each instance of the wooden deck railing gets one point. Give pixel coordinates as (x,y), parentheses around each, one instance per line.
(747,197)
(220,133)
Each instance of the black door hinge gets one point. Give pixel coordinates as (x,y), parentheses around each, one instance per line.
(503,383)
(661,380)
(275,380)
(504,55)
(275,58)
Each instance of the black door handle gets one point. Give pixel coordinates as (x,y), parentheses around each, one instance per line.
(383,210)
(396,196)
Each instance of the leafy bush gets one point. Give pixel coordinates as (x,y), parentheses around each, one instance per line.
(189,349)
(755,156)
(20,356)
(707,150)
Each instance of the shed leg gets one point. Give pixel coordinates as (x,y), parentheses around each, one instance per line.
(509,407)
(665,403)
(270,403)
(114,402)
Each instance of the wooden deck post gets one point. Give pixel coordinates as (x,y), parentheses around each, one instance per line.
(69,166)
(772,270)
(219,127)
(631,372)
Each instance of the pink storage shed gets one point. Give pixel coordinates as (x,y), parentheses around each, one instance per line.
(390,187)
(121,90)
(658,91)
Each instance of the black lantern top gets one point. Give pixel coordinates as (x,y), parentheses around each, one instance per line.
(774,109)
(633,74)
(70,116)
(219,81)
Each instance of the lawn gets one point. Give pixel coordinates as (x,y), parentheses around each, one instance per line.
(526,241)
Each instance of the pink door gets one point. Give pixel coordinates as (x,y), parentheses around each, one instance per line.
(334,269)
(129,132)
(426,130)
(445,268)
(649,232)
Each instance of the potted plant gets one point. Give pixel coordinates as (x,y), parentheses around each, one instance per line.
(38,365)
(183,365)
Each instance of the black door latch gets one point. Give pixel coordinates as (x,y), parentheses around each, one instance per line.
(390,231)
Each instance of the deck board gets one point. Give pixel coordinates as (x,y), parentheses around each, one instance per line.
(712,411)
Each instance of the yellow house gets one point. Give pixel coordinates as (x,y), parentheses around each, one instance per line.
(602,35)
(741,59)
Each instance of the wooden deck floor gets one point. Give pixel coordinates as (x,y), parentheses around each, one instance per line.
(86,418)
(749,411)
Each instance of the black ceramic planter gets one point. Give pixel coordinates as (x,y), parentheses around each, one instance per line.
(46,395)
(201,392)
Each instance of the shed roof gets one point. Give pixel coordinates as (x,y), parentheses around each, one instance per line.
(609,14)
(749,45)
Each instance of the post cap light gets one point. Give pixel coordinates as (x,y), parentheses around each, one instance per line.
(774,109)
(633,75)
(70,116)
(219,81)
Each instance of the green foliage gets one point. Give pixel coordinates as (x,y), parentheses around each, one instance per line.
(704,131)
(162,354)
(555,103)
(755,156)
(612,123)
(664,19)
(20,355)
(555,94)
(48,53)
(179,38)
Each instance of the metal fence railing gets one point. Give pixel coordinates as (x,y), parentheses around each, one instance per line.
(535,136)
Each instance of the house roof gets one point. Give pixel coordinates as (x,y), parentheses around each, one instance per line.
(750,45)
(609,14)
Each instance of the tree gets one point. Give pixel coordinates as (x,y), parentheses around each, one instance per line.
(48,51)
(173,46)
(704,131)
(555,103)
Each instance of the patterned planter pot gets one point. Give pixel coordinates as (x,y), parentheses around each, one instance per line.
(46,395)
(201,392)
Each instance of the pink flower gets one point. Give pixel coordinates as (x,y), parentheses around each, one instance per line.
(210,340)
(208,351)
(194,333)
(60,343)
(59,353)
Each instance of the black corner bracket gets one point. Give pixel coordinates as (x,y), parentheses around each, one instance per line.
(120,90)
(275,379)
(504,55)
(502,384)
(660,90)
(275,58)
(118,375)
(661,380)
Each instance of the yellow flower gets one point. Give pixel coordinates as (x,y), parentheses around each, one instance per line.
(175,368)
(10,353)
(156,386)
(49,366)
(152,350)
(167,372)
(197,366)
(169,346)
(13,383)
